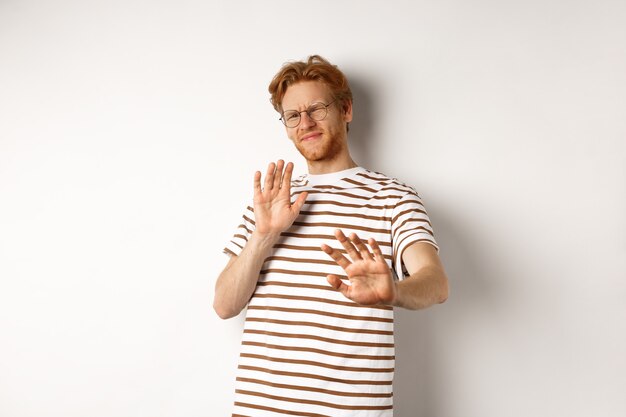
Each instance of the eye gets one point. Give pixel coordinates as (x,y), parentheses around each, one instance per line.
(292,115)
(316,111)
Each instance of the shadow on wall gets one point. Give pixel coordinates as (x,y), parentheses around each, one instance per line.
(419,383)
(422,375)
(362,128)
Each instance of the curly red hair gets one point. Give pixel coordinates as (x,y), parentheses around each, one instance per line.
(315,68)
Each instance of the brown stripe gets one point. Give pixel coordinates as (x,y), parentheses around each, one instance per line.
(408,236)
(300,260)
(236,244)
(405,202)
(413,229)
(249,220)
(319,338)
(328,187)
(411,197)
(341,226)
(320,325)
(331,237)
(313,248)
(322,300)
(244,226)
(276,410)
(319,351)
(318,364)
(360,186)
(394,187)
(226,250)
(399,243)
(296,285)
(315,376)
(414,210)
(294,247)
(351,215)
(322,313)
(351,181)
(354,196)
(383,179)
(290,272)
(409,220)
(320,390)
(340,204)
(313,402)
(241,237)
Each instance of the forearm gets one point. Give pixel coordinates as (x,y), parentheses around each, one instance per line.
(424,288)
(237,282)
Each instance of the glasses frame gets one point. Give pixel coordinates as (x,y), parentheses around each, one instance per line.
(308,112)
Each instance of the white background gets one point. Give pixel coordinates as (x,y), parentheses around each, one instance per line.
(129,134)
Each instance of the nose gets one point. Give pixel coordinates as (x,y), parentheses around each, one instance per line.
(306,121)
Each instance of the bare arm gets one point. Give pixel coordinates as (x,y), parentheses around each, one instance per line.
(427,283)
(273,214)
(371,280)
(237,282)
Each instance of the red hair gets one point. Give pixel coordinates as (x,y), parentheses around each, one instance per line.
(315,68)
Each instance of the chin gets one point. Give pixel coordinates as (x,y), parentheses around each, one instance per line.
(312,156)
(324,152)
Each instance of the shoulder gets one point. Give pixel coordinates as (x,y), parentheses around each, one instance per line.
(386,182)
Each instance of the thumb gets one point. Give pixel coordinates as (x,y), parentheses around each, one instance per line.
(338,284)
(297,205)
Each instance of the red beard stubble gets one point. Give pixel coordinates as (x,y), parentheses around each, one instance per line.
(328,149)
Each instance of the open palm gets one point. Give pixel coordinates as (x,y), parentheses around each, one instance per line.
(371,281)
(273,211)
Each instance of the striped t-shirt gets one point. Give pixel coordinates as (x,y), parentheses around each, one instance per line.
(306,349)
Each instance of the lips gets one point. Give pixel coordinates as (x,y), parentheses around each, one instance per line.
(310,136)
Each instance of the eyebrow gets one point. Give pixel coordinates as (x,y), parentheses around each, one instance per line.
(315,102)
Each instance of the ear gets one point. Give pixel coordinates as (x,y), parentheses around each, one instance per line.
(347,111)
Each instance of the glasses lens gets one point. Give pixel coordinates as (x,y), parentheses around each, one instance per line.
(291,118)
(317,112)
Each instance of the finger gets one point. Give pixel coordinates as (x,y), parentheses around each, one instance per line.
(257,183)
(278,174)
(338,284)
(336,255)
(297,205)
(287,176)
(269,176)
(377,252)
(363,250)
(348,246)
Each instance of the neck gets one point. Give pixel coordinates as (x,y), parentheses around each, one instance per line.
(330,166)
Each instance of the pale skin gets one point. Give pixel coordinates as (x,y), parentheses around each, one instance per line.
(274,214)
(370,281)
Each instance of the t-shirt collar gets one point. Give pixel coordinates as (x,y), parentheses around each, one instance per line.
(333,177)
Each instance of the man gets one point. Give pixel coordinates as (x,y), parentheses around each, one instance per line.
(320,262)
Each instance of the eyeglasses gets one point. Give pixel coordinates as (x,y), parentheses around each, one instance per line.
(317,112)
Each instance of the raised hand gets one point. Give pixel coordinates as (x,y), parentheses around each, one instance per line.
(273,211)
(371,281)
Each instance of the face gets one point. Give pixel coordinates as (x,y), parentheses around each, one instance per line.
(317,140)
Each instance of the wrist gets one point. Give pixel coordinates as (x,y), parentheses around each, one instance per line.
(264,239)
(395,294)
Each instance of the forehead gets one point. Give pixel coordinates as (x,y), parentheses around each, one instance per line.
(303,94)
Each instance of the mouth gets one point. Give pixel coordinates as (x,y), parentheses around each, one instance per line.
(310,136)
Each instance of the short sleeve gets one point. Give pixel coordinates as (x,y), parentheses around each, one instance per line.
(242,233)
(409,224)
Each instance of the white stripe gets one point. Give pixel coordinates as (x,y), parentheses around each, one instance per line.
(324,353)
